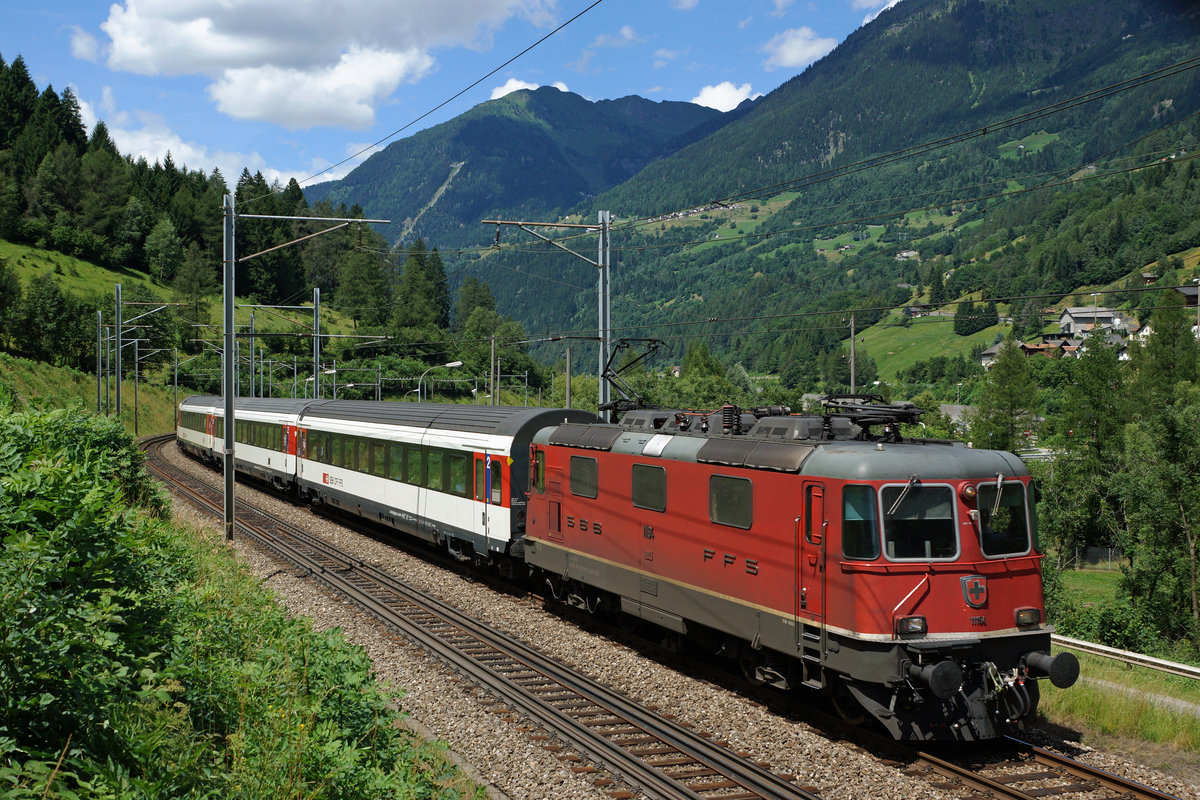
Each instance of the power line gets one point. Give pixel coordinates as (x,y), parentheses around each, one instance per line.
(452,98)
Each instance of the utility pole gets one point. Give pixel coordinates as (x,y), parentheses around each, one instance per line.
(230,359)
(230,262)
(117,329)
(251,354)
(602,264)
(568,398)
(852,366)
(316,342)
(603,259)
(99,352)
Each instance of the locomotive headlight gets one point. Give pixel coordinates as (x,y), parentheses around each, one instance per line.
(906,626)
(970,492)
(1028,616)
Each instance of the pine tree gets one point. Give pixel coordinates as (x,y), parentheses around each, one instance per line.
(1005,409)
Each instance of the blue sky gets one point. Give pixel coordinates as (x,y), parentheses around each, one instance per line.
(291,87)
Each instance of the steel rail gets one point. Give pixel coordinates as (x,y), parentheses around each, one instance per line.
(363,584)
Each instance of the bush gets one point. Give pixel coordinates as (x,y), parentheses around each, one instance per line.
(138,662)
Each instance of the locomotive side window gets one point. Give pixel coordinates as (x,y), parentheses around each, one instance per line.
(918,522)
(1003,528)
(538,478)
(731,501)
(583,476)
(649,487)
(860,522)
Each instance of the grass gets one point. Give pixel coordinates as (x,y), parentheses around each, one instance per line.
(1032,143)
(46,386)
(75,276)
(897,348)
(1091,585)
(1129,712)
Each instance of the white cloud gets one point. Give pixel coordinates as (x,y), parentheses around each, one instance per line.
(725,96)
(514,85)
(293,63)
(84,46)
(344,95)
(796,48)
(781,6)
(511,85)
(684,5)
(884,5)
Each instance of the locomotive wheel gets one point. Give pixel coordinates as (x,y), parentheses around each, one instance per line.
(846,706)
(748,663)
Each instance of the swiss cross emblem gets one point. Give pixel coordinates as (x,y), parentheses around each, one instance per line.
(974,589)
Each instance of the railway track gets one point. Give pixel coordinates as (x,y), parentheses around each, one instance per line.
(628,748)
(640,750)
(1025,771)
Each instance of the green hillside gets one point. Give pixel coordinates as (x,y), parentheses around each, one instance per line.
(1075,194)
(527,154)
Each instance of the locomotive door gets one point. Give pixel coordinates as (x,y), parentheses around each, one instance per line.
(554,483)
(812,526)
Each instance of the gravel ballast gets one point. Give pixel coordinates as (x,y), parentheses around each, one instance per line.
(507,758)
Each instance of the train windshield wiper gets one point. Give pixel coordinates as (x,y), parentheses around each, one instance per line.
(999,493)
(911,482)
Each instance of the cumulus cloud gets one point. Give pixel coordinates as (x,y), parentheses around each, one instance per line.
(796,49)
(883,5)
(84,46)
(725,96)
(287,62)
(514,84)
(343,95)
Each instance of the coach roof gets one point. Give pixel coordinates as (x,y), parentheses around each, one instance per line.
(516,421)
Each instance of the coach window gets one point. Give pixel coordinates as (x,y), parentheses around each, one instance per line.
(458,474)
(497,495)
(649,487)
(362,460)
(379,459)
(396,462)
(731,501)
(860,522)
(433,471)
(480,481)
(414,469)
(918,521)
(1003,528)
(584,476)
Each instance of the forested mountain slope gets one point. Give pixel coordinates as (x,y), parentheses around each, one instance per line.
(899,140)
(529,153)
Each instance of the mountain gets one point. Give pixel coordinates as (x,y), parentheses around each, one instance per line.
(530,153)
(913,134)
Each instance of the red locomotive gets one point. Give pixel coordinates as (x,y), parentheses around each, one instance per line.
(901,576)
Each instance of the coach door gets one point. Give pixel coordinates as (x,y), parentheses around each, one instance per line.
(489,496)
(811,528)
